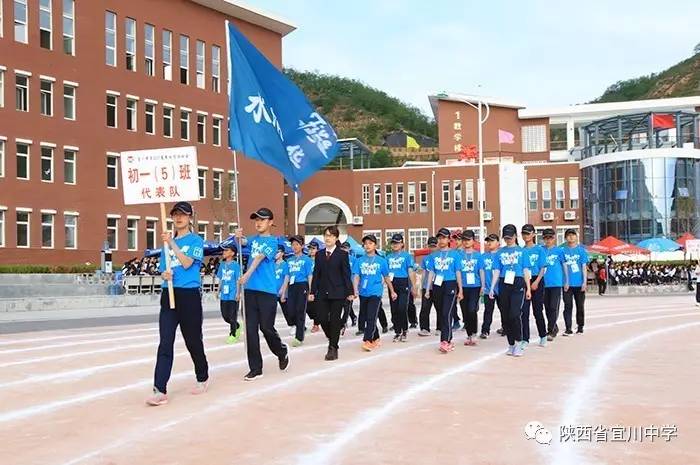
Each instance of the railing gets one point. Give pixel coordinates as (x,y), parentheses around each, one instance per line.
(640,144)
(143,285)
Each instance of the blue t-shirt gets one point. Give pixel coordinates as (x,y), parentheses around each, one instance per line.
(511,259)
(470,265)
(263,279)
(281,272)
(372,271)
(427,265)
(400,263)
(554,276)
(488,260)
(535,259)
(576,258)
(192,246)
(300,268)
(228,275)
(446,264)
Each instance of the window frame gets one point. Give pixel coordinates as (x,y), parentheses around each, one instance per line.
(27,157)
(423,197)
(46,97)
(51,225)
(388,198)
(67,227)
(73,102)
(132,232)
(27,224)
(416,234)
(200,59)
(216,68)
(73,164)
(201,123)
(377,198)
(26,89)
(115,167)
(50,158)
(169,120)
(23,23)
(365,199)
(167,54)
(150,115)
(400,198)
(184,53)
(115,228)
(445,196)
(149,60)
(185,123)
(130,41)
(113,50)
(70,17)
(133,114)
(115,106)
(46,10)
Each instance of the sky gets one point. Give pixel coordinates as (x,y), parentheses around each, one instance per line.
(538,53)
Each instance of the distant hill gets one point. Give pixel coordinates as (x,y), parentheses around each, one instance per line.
(680,80)
(357,110)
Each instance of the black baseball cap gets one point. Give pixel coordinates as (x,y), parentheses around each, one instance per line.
(183,207)
(262,213)
(527,228)
(369,237)
(345,245)
(298,238)
(444,232)
(570,231)
(468,234)
(549,232)
(313,245)
(397,238)
(509,230)
(229,245)
(492,237)
(432,241)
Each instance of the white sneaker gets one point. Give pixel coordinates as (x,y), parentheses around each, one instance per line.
(523,345)
(543,341)
(292,330)
(518,351)
(510,350)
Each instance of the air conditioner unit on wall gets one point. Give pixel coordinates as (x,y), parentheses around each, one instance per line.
(357,220)
(570,215)
(548,216)
(488,216)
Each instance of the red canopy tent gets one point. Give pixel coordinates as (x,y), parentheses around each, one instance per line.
(685,238)
(611,245)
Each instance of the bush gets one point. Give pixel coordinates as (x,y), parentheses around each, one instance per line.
(48,269)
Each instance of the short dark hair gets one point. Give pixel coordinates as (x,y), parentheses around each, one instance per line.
(332,230)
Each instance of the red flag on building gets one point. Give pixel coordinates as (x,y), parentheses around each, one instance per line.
(663,121)
(468,152)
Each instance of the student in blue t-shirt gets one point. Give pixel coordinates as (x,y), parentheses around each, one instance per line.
(282,278)
(472,269)
(576,261)
(535,259)
(300,273)
(186,251)
(347,305)
(445,286)
(426,302)
(261,291)
(513,277)
(488,258)
(228,274)
(403,278)
(555,278)
(370,272)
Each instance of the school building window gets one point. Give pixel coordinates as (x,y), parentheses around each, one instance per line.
(149,32)
(376,232)
(2,158)
(218,232)
(22,160)
(546,194)
(130,43)
(70,231)
(45,30)
(216,188)
(232,194)
(184,125)
(2,85)
(110,38)
(388,198)
(573,193)
(21,92)
(365,199)
(151,234)
(69,27)
(112,162)
(2,227)
(202,230)
(111,111)
(417,239)
(47,220)
(423,192)
(167,121)
(216,131)
(202,176)
(132,233)
(46,164)
(532,195)
(21,21)
(389,233)
(167,50)
(23,226)
(216,68)
(201,128)
(69,102)
(377,188)
(534,138)
(399,198)
(184,60)
(469,188)
(150,118)
(457,190)
(113,232)
(232,228)
(411,197)
(559,192)
(445,196)
(199,70)
(131,109)
(46,97)
(69,166)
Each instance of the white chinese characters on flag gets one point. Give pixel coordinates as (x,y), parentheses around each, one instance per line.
(160,175)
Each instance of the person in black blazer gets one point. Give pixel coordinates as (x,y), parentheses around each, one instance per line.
(331,286)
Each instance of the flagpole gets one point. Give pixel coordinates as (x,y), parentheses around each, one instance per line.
(296,212)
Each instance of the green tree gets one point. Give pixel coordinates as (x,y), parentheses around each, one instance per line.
(382,159)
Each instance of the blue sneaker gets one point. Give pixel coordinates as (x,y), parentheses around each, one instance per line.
(518,351)
(510,350)
(523,345)
(543,341)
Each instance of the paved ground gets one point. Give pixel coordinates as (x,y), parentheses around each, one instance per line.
(75,396)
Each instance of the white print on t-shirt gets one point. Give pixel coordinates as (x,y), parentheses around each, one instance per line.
(443,263)
(510,258)
(259,248)
(468,265)
(488,264)
(370,269)
(174,261)
(226,275)
(552,259)
(295,266)
(534,258)
(396,262)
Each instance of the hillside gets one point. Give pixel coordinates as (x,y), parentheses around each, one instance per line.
(357,110)
(680,80)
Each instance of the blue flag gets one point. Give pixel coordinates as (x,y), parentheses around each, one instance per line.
(271,120)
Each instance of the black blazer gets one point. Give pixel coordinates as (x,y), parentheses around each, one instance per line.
(331,278)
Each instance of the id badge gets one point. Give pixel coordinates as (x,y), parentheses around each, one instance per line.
(471,279)
(226,289)
(292,278)
(509,277)
(574,268)
(391,276)
(438,280)
(364,283)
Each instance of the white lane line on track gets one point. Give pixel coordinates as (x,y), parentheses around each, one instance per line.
(585,386)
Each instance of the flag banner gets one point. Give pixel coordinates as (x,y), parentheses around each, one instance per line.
(271,120)
(663,121)
(505,137)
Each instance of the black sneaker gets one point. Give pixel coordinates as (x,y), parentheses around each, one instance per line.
(568,332)
(284,361)
(253,375)
(359,333)
(579,330)
(413,326)
(500,331)
(484,335)
(385,329)
(397,337)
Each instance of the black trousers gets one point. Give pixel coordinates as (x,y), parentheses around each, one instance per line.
(188,315)
(297,300)
(229,312)
(445,298)
(362,318)
(399,307)
(425,306)
(489,305)
(574,294)
(412,316)
(552,300)
(512,296)
(329,313)
(602,286)
(697,292)
(369,308)
(470,309)
(260,311)
(311,311)
(537,303)
(348,312)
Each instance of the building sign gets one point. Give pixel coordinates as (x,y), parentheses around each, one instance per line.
(457,135)
(160,175)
